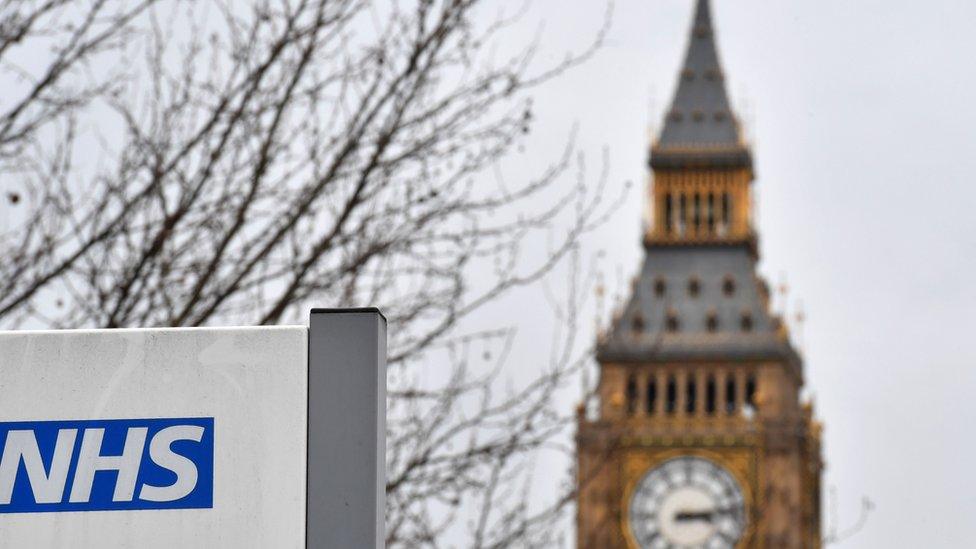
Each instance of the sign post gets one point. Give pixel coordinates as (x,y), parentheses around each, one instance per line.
(195,437)
(346,458)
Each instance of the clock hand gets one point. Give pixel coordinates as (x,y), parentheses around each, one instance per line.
(706,515)
(688,516)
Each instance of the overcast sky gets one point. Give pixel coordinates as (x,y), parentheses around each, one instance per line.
(863,117)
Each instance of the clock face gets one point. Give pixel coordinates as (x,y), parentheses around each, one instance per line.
(687,502)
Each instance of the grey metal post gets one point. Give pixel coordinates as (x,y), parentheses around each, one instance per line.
(346,429)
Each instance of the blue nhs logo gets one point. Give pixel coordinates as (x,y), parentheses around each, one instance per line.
(106,465)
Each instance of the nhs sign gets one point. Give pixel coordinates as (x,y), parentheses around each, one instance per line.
(106,465)
(235,437)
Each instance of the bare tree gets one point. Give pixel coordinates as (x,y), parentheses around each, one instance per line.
(200,163)
(834,533)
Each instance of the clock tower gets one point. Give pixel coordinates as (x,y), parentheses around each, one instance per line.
(698,436)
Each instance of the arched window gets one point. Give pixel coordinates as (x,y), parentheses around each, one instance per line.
(726,209)
(694,287)
(751,391)
(631,394)
(672,396)
(710,396)
(672,323)
(682,213)
(711,322)
(696,219)
(660,287)
(746,322)
(637,324)
(711,213)
(668,213)
(730,395)
(728,286)
(651,396)
(691,395)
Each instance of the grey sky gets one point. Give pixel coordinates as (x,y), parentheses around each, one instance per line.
(863,119)
(864,125)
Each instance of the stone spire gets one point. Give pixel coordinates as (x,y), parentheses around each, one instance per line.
(698,296)
(700,129)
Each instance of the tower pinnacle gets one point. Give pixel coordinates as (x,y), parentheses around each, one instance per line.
(700,129)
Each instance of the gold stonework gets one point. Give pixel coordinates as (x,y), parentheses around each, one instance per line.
(724,206)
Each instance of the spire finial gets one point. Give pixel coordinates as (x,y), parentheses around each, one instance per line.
(703,13)
(700,121)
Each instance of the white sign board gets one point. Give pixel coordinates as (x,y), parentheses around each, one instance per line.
(194,437)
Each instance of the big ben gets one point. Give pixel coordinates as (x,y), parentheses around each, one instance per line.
(699,437)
